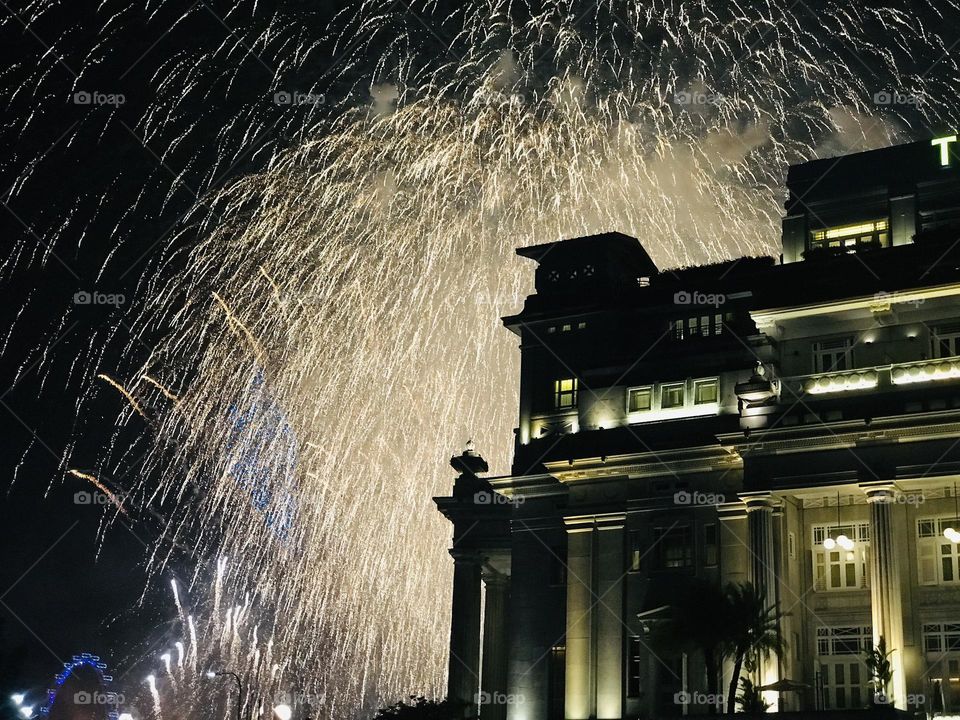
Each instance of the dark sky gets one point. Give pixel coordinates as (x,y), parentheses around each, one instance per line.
(62,590)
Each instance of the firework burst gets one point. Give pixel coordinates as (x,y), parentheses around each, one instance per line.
(338,310)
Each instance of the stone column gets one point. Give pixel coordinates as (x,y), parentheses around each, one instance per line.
(464,669)
(494,676)
(609,618)
(885,600)
(763,571)
(595,570)
(580,679)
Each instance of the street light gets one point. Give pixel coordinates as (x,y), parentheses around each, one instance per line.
(283,711)
(236,679)
(18,698)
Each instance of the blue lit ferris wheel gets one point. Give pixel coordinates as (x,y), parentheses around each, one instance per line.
(103,698)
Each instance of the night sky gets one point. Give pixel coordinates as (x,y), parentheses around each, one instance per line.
(62,591)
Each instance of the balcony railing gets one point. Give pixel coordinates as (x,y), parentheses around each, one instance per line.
(861,379)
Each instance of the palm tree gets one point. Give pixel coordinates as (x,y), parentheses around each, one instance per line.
(881,671)
(697,621)
(751,699)
(752,630)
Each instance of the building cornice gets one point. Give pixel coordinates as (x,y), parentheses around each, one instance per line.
(846,434)
(646,464)
(877,302)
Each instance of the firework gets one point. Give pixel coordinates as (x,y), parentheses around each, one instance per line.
(339,312)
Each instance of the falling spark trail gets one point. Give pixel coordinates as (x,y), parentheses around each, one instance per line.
(114,500)
(164,390)
(123,391)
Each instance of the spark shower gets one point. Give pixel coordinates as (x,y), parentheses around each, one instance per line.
(330,333)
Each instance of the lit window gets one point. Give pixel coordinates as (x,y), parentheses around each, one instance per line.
(566,328)
(706,392)
(699,326)
(839,569)
(671,396)
(674,546)
(839,654)
(945,341)
(581,325)
(636,549)
(938,558)
(565,393)
(833,355)
(851,237)
(941,644)
(941,638)
(639,399)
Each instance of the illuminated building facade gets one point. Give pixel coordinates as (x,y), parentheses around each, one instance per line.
(794,424)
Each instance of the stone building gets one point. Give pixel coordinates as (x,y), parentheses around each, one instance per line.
(791,423)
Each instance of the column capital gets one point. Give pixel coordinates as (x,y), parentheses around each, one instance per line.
(880,491)
(762,500)
(493,577)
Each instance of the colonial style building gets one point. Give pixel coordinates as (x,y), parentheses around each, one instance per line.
(792,423)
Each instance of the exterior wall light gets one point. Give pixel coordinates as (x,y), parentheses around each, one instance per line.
(841,540)
(841,383)
(950,532)
(926,372)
